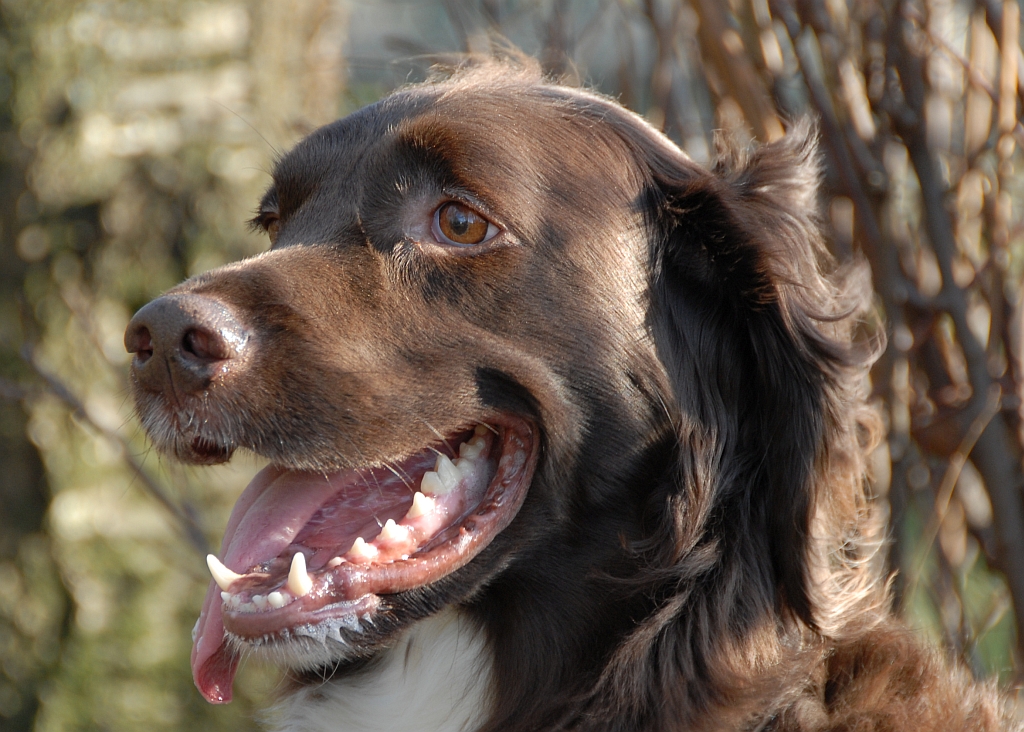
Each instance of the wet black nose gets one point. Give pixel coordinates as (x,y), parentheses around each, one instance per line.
(183,342)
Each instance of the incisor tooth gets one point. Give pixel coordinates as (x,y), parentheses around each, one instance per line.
(335,562)
(221,574)
(276,599)
(421,506)
(361,549)
(481,430)
(299,582)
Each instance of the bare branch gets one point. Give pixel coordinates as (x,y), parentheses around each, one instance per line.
(723,47)
(183,517)
(995,453)
(950,477)
(976,77)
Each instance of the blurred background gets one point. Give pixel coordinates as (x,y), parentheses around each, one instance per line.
(137,135)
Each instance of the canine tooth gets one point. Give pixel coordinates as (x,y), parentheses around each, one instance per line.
(221,574)
(276,599)
(393,532)
(432,484)
(361,549)
(471,450)
(421,506)
(335,562)
(299,582)
(447,472)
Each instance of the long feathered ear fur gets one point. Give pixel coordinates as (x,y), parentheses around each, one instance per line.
(762,540)
(755,327)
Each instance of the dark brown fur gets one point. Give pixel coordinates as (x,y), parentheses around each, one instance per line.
(696,551)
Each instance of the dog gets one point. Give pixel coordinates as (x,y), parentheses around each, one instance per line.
(565,432)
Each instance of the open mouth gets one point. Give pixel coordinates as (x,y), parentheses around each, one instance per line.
(309,554)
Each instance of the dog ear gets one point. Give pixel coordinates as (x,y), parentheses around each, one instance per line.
(755,338)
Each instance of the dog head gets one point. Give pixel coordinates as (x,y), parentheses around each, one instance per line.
(511,349)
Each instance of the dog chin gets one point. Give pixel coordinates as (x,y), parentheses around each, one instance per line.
(306,648)
(435,676)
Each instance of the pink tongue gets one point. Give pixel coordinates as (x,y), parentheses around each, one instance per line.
(265,520)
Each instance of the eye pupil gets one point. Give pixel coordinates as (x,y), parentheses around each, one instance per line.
(459,221)
(460,224)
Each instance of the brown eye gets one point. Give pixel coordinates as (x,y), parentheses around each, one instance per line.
(461,225)
(272,226)
(268,221)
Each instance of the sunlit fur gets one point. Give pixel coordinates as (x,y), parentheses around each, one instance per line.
(697,550)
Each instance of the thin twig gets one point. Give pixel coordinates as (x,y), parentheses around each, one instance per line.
(976,78)
(996,454)
(949,479)
(182,516)
(881,256)
(723,47)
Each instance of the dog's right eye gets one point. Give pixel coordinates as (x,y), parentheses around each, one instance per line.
(455,223)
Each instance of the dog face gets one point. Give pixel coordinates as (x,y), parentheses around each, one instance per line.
(510,350)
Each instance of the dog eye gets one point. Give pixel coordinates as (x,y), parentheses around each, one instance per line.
(460,225)
(269,221)
(272,227)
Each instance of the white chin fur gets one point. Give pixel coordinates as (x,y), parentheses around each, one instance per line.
(435,679)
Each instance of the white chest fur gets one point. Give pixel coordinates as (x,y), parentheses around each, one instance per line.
(434,680)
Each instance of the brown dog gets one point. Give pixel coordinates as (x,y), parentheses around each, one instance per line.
(566,433)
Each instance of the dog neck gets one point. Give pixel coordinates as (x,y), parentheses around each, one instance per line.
(435,679)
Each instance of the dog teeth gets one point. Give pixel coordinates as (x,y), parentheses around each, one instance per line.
(432,484)
(257,603)
(361,550)
(472,449)
(393,536)
(299,582)
(393,532)
(447,471)
(223,576)
(421,506)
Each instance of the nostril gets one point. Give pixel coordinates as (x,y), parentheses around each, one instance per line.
(140,342)
(205,345)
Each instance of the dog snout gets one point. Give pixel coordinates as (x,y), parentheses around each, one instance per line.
(182,343)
